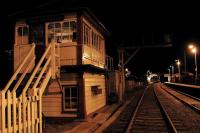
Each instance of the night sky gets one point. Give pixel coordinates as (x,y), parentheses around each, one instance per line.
(134,23)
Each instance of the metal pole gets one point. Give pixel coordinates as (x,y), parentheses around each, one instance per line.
(185,61)
(195,54)
(172,70)
(179,71)
(169,75)
(122,77)
(172,77)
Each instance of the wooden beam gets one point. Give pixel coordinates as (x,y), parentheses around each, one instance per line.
(135,52)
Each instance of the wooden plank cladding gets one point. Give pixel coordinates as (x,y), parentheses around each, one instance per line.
(94,102)
(69,57)
(20,53)
(51,105)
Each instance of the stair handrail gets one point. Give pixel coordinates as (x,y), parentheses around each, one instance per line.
(19,68)
(41,73)
(23,75)
(36,69)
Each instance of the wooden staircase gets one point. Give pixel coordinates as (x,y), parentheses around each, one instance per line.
(21,99)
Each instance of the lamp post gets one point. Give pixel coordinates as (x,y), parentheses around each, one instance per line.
(185,63)
(172,71)
(169,78)
(194,50)
(195,56)
(179,70)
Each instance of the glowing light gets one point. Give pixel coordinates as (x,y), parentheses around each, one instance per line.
(194,50)
(191,46)
(178,62)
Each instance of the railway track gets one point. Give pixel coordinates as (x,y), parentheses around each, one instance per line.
(183,108)
(149,116)
(189,100)
(121,124)
(157,110)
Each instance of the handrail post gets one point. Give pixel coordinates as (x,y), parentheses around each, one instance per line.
(3,117)
(0,112)
(53,60)
(58,60)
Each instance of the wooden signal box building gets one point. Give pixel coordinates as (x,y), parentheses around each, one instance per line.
(79,87)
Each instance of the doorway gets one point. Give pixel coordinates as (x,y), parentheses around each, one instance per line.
(37,36)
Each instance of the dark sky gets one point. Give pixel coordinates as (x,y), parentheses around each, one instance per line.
(138,23)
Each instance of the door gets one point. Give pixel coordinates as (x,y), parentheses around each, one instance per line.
(22,46)
(38,37)
(70,98)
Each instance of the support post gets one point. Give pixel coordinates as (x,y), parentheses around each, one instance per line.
(122,77)
(0,111)
(53,65)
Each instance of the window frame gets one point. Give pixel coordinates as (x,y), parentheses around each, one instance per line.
(71,87)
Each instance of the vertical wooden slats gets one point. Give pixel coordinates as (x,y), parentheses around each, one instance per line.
(9,111)
(14,114)
(36,114)
(20,115)
(29,114)
(3,106)
(40,111)
(32,117)
(24,111)
(0,111)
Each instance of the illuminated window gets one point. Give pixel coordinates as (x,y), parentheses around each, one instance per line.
(62,32)
(69,31)
(54,32)
(96,41)
(86,35)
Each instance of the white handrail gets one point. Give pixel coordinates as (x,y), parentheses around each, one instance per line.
(36,69)
(18,69)
(23,75)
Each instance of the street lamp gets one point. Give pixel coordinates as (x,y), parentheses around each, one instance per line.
(179,71)
(169,77)
(194,50)
(172,70)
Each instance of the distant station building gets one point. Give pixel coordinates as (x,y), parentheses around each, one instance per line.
(79,88)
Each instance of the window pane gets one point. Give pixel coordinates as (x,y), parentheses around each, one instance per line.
(22,31)
(57,25)
(72,31)
(50,26)
(65,27)
(71,97)
(65,32)
(74,97)
(73,26)
(51,32)
(86,34)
